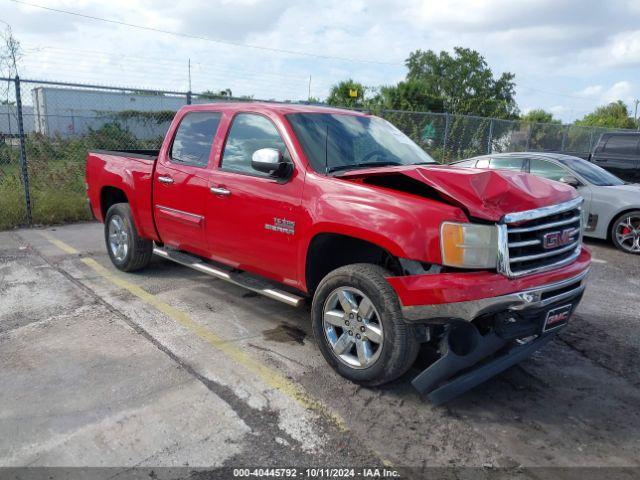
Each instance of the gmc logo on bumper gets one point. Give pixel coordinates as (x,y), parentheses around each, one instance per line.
(558,239)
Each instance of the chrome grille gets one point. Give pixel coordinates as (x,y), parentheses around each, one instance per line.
(541,239)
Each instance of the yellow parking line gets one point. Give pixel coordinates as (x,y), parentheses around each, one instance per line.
(61,245)
(232,351)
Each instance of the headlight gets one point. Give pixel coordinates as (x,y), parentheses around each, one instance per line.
(468,245)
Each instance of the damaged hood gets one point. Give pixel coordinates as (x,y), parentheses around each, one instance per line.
(485,194)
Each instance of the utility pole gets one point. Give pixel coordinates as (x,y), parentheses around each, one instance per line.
(635,115)
(309,95)
(189,91)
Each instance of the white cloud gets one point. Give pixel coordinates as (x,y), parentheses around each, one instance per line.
(624,49)
(556,47)
(618,91)
(590,91)
(621,90)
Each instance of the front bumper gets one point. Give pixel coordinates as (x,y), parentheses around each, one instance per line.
(439,298)
(531,299)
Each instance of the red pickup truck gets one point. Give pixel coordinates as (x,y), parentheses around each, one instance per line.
(299,202)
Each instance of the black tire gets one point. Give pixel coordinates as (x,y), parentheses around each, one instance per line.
(139,250)
(399,346)
(614,227)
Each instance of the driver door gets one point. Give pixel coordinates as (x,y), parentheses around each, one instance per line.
(252,216)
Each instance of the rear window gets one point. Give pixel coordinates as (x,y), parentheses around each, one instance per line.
(466,163)
(622,144)
(506,163)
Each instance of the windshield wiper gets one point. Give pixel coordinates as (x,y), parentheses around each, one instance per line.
(361,165)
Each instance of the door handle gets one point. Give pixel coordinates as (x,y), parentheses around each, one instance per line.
(165,179)
(220,191)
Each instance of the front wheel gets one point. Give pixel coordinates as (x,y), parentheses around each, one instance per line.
(359,327)
(128,250)
(625,232)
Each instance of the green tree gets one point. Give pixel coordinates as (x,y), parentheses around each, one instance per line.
(348,93)
(465,82)
(413,95)
(613,115)
(539,116)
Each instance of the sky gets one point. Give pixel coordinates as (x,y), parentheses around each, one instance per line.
(568,56)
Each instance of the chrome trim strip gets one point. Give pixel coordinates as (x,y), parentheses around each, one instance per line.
(525,258)
(168,209)
(542,212)
(546,225)
(197,264)
(518,301)
(525,243)
(551,266)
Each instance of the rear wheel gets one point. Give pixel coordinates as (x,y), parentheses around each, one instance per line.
(128,251)
(359,327)
(625,232)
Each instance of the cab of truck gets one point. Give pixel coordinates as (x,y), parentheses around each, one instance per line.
(619,153)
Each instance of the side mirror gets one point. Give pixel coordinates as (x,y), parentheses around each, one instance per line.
(271,161)
(570,180)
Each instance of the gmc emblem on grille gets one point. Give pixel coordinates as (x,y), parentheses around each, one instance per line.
(558,239)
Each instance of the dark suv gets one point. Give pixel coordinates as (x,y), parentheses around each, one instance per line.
(619,153)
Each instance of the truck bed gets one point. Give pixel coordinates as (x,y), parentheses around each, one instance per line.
(128,171)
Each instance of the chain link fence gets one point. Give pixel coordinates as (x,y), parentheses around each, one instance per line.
(448,137)
(46,129)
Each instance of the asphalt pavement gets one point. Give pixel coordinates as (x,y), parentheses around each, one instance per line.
(169,367)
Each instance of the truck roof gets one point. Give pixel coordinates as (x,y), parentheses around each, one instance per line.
(282,108)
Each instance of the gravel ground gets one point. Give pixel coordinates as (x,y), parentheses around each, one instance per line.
(168,367)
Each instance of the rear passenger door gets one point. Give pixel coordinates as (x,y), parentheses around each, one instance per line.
(619,155)
(181,183)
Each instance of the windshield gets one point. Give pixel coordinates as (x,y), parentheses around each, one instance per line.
(333,141)
(591,173)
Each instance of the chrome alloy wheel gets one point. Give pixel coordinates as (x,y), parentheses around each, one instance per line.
(118,238)
(353,327)
(628,233)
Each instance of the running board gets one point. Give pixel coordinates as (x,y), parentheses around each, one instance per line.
(242,279)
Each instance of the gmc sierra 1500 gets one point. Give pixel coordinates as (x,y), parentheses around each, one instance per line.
(396,251)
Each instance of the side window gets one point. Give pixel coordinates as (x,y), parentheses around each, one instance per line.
(250,132)
(506,163)
(545,169)
(194,137)
(622,145)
